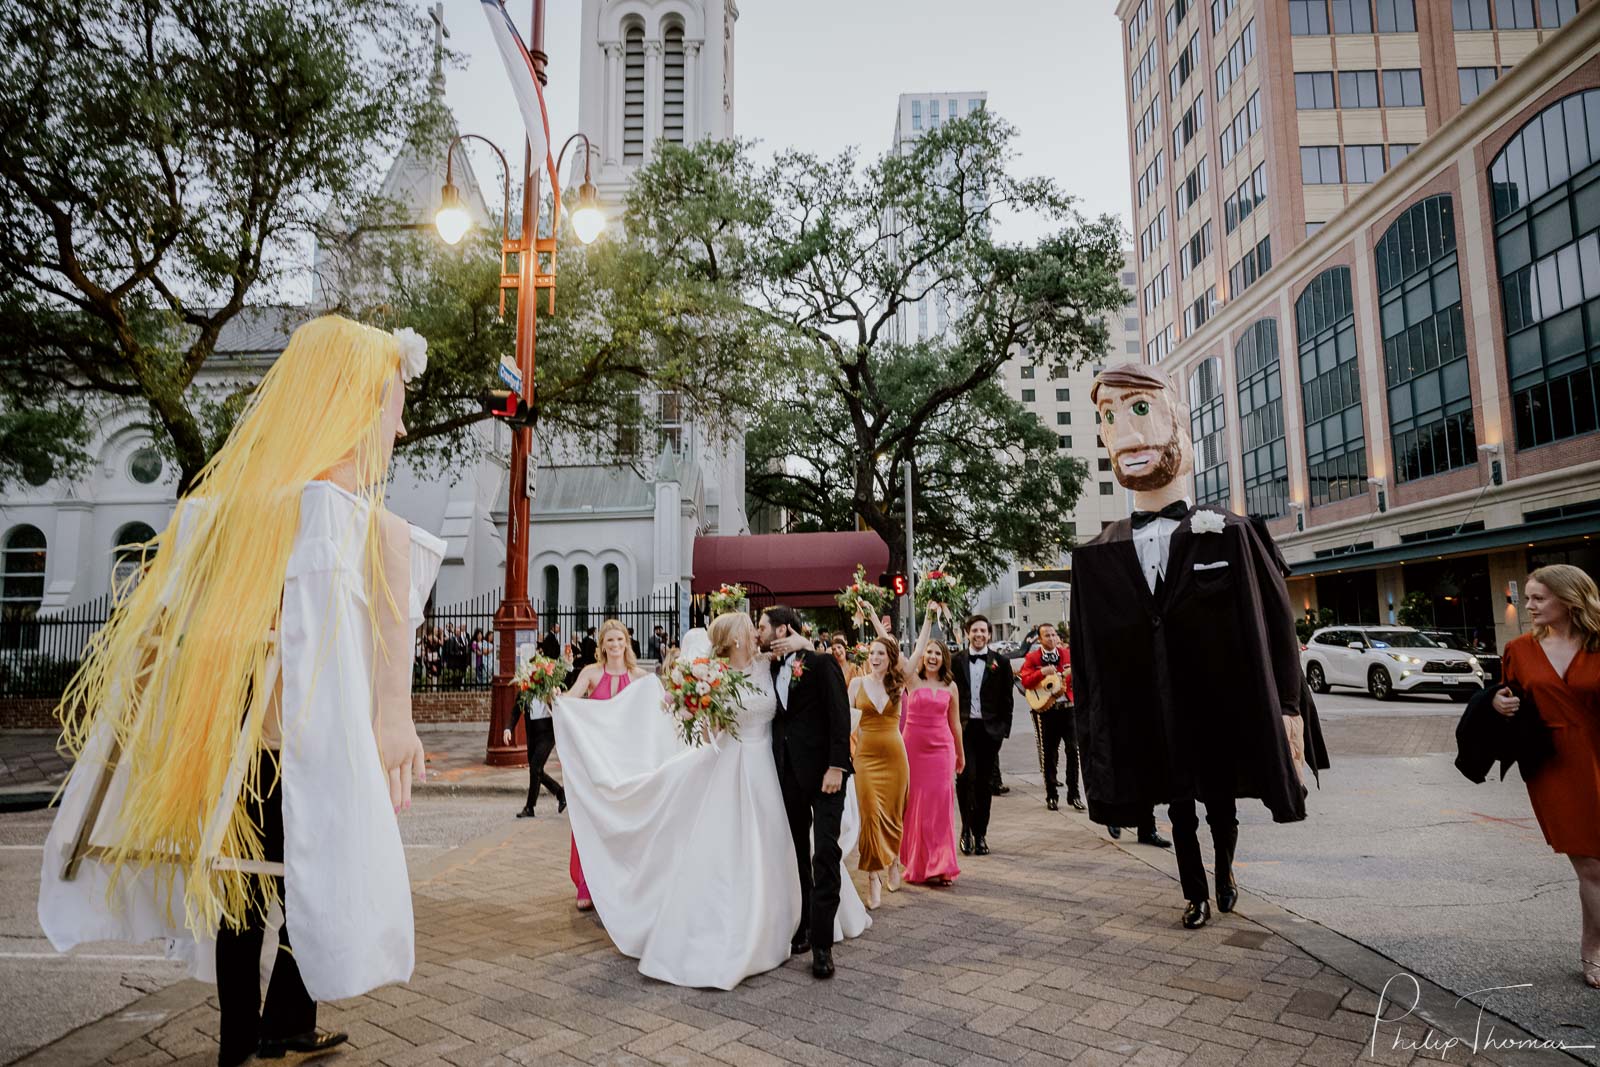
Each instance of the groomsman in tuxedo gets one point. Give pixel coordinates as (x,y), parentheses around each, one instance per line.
(1188,668)
(983,683)
(811,746)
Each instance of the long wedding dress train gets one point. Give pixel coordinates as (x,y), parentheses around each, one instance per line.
(686,850)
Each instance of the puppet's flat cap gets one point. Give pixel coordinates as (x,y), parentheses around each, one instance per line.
(1129,375)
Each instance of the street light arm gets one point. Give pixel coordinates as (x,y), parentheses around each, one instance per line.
(588,150)
(505,173)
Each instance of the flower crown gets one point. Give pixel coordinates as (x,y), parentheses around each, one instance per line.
(413,354)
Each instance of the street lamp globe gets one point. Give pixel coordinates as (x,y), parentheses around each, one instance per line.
(588,220)
(452,221)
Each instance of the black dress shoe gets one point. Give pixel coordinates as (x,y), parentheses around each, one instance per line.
(1154,839)
(1000,790)
(799,945)
(315,1042)
(525,813)
(1077,803)
(1115,832)
(1227,893)
(980,847)
(561,803)
(1059,782)
(1052,803)
(822,963)
(966,842)
(1196,914)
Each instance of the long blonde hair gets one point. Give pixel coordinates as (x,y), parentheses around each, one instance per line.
(629,660)
(1577,591)
(177,664)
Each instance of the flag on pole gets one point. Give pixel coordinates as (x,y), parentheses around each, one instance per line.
(524,83)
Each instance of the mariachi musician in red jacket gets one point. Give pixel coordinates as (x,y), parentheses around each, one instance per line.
(1046,678)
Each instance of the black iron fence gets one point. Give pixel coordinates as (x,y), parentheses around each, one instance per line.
(39,654)
(457,648)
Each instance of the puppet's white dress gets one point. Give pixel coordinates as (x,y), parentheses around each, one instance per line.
(347,896)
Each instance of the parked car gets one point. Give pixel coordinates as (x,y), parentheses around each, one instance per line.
(1488,660)
(1386,660)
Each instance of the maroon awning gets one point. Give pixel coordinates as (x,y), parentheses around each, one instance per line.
(803,570)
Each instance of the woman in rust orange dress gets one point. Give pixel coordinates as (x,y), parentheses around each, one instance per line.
(1558,665)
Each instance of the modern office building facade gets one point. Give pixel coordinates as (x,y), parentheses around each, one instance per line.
(1406,388)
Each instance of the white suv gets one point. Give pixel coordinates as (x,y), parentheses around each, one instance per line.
(1385,660)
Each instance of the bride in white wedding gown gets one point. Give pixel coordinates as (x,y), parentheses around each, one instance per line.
(686,850)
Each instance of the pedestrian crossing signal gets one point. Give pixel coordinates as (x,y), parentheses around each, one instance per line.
(895,583)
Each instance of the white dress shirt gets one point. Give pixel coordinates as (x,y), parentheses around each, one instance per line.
(785,673)
(1153,541)
(976,665)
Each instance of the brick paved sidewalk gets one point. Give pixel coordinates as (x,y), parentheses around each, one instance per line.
(1059,947)
(29,761)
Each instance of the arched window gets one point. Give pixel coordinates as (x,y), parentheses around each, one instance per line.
(580,596)
(1330,384)
(672,94)
(1546,184)
(1263,445)
(552,589)
(1207,416)
(21,587)
(613,581)
(633,94)
(128,556)
(1425,342)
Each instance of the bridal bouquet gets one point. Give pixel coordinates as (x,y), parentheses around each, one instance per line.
(862,598)
(538,680)
(944,589)
(858,654)
(729,598)
(703,696)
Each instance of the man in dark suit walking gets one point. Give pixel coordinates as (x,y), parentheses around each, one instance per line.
(983,683)
(587,650)
(811,745)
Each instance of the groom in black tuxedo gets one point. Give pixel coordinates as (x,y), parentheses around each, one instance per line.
(811,746)
(983,687)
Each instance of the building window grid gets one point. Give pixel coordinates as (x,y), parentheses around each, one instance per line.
(1363,163)
(1196,314)
(1207,419)
(1251,194)
(1546,198)
(1188,62)
(1189,126)
(1220,10)
(1194,185)
(1319,165)
(1313,91)
(1403,88)
(1251,266)
(1195,250)
(1336,456)
(1237,58)
(1424,342)
(1243,127)
(1474,80)
(1308,18)
(1263,444)
(1358,89)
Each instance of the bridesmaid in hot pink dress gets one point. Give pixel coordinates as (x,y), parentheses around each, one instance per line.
(602,681)
(928,721)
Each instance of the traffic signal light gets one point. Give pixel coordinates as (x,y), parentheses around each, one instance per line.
(895,583)
(505,405)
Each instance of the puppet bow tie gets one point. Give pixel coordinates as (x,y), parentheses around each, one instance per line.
(1176,511)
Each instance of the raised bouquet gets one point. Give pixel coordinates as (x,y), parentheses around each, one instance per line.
(729,598)
(538,680)
(703,697)
(944,589)
(862,598)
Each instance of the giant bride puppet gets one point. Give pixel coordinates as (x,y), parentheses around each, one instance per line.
(243,726)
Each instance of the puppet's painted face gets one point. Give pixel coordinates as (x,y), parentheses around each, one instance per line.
(1147,435)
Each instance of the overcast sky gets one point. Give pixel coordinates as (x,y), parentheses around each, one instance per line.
(822,75)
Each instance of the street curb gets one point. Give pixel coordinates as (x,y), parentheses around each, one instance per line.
(1365,966)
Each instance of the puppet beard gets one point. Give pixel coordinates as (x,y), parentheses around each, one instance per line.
(1161,474)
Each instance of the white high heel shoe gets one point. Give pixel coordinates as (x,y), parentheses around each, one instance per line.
(874,891)
(894,881)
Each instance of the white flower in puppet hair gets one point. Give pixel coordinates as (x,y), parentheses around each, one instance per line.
(413,354)
(1207,522)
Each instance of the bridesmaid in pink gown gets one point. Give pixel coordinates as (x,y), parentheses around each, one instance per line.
(602,681)
(929,723)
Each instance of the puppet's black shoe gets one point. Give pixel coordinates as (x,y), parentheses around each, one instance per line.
(822,963)
(1154,838)
(1052,803)
(966,842)
(799,945)
(1196,914)
(1227,893)
(1077,803)
(1000,790)
(561,803)
(315,1043)
(980,847)
(1115,832)
(525,813)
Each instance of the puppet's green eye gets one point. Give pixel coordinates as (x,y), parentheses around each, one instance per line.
(1141,408)
(1109,417)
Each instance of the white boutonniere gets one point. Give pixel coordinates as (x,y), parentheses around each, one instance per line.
(413,354)
(1207,522)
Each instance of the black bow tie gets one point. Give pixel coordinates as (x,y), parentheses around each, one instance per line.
(1176,511)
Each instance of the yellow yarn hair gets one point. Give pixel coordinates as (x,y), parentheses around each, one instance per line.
(176,665)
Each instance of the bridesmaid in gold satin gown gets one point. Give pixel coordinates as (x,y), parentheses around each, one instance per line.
(883,774)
